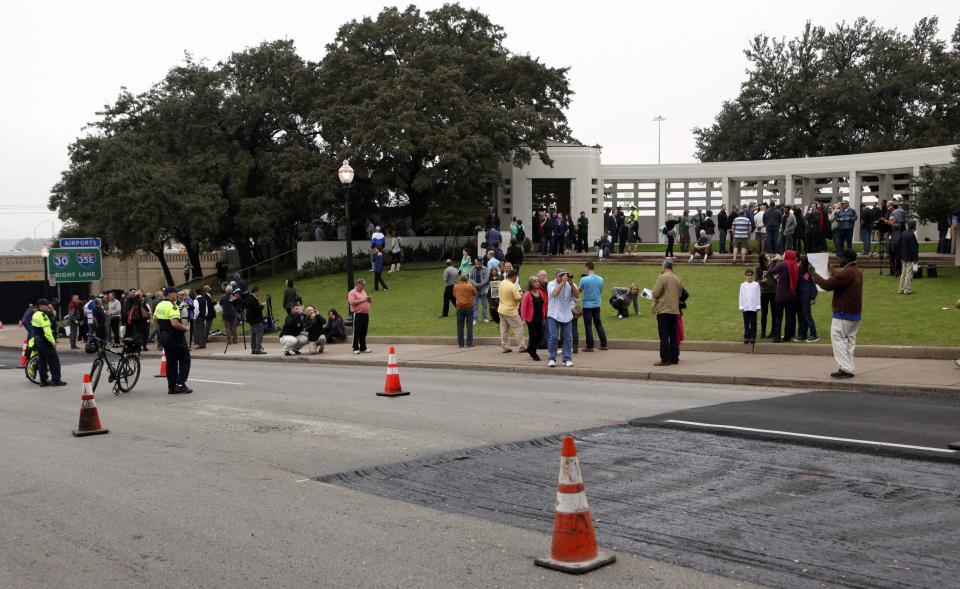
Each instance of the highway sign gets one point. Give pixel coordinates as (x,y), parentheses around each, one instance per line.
(75,264)
(75,242)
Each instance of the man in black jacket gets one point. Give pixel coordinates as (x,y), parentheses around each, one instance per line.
(205,316)
(254,310)
(515,255)
(723,225)
(291,336)
(909,255)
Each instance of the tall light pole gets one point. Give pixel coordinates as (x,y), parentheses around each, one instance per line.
(346,178)
(658,119)
(45,253)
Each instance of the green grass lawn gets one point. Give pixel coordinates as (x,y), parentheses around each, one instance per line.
(415,299)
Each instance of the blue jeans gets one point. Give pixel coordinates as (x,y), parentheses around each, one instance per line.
(846,239)
(807,328)
(480,299)
(773,234)
(555,326)
(464,316)
(865,238)
(591,317)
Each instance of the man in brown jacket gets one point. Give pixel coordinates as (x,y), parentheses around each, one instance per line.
(666,306)
(847,286)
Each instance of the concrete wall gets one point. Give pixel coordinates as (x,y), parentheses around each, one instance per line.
(307,251)
(142,271)
(578,163)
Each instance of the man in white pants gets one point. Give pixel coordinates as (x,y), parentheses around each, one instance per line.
(291,336)
(847,286)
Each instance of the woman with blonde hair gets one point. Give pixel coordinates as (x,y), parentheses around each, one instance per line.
(622,298)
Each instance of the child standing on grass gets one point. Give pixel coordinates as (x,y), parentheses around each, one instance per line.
(806,295)
(749,305)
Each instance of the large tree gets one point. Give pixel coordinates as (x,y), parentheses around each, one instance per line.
(937,191)
(855,88)
(427,105)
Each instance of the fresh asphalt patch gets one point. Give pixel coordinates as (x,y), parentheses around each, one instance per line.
(10,359)
(902,425)
(783,515)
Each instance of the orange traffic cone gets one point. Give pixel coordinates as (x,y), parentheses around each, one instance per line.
(1,325)
(163,366)
(574,547)
(89,416)
(20,324)
(23,355)
(391,388)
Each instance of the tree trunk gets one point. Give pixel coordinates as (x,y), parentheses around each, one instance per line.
(163,264)
(193,254)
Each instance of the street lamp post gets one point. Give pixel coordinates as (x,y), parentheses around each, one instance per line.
(346,178)
(658,119)
(45,253)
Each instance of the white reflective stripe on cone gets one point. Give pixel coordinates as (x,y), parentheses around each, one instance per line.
(88,404)
(570,471)
(572,502)
(392,370)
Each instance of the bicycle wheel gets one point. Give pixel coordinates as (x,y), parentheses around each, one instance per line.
(128,373)
(31,370)
(95,372)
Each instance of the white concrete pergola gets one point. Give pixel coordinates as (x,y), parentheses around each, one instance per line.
(659,189)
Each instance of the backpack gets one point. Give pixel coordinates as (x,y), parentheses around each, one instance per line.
(521,235)
(709,226)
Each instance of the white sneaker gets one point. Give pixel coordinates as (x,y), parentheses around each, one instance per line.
(568,363)
(486,321)
(552,364)
(368,351)
(356,351)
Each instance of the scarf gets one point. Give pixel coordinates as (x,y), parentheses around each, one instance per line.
(790,259)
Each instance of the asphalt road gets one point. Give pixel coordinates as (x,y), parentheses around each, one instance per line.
(903,425)
(218,489)
(10,359)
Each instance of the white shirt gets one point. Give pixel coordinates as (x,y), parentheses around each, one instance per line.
(560,307)
(758,221)
(750,296)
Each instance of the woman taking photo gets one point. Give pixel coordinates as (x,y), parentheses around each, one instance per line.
(768,290)
(785,302)
(533,311)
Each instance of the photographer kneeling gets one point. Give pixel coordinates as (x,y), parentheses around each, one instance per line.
(291,336)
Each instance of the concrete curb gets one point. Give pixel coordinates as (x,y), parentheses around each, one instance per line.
(661,376)
(651,375)
(790,348)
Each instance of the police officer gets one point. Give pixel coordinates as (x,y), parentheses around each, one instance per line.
(172,334)
(46,342)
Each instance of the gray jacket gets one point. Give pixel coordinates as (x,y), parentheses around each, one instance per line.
(480,278)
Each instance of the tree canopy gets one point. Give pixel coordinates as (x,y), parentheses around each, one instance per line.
(855,88)
(425,105)
(937,191)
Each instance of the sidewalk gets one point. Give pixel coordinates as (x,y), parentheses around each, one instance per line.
(897,370)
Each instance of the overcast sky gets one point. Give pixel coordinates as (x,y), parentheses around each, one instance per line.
(629,62)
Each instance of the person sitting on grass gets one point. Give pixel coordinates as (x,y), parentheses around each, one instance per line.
(622,298)
(703,247)
(335,329)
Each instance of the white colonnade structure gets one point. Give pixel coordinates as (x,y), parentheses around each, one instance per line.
(579,181)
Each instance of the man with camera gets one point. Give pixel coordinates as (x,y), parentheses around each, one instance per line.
(291,336)
(254,311)
(563,294)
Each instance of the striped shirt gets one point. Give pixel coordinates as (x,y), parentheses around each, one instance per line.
(741,227)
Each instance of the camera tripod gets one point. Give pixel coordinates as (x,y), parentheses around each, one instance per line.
(242,319)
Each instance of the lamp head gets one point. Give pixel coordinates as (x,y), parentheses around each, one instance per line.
(346,173)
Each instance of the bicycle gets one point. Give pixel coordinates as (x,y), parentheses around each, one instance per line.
(124,372)
(30,369)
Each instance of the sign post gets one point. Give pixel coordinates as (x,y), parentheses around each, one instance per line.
(75,264)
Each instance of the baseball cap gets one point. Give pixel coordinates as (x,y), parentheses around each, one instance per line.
(169,289)
(43,302)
